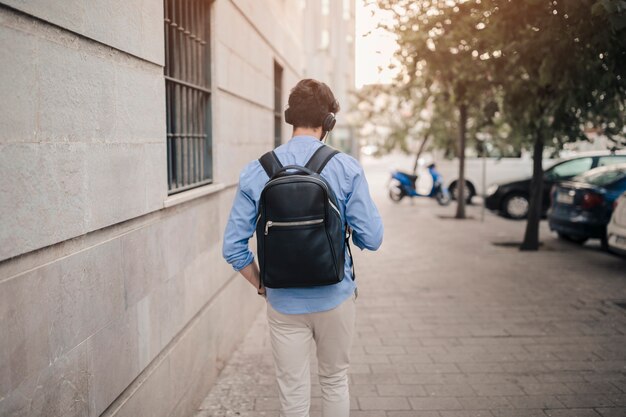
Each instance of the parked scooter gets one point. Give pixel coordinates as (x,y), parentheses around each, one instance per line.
(403,184)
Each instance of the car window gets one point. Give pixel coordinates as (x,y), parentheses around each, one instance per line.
(604,161)
(604,177)
(569,169)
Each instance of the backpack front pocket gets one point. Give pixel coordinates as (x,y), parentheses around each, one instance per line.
(297,254)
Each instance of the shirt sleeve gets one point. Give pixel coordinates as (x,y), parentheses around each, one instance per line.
(362,215)
(240,228)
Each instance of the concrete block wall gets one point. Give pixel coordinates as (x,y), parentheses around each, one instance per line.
(114,302)
(82,144)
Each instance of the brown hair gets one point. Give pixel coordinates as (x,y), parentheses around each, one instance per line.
(309,102)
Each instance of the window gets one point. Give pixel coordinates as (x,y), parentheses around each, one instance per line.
(278,104)
(604,161)
(604,177)
(325,7)
(346,10)
(187,94)
(569,169)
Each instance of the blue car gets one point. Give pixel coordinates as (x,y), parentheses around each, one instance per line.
(581,208)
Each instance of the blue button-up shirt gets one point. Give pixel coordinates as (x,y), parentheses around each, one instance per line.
(347,180)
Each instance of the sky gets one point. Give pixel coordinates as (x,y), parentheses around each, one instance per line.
(374,47)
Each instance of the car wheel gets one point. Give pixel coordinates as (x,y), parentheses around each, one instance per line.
(515,206)
(468,191)
(604,244)
(570,238)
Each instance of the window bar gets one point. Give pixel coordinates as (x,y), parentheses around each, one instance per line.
(196,80)
(201,81)
(167,95)
(176,93)
(206,51)
(180,70)
(188,93)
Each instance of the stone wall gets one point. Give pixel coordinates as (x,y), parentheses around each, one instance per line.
(114,298)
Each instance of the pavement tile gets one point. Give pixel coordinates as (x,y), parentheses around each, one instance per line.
(572,412)
(612,412)
(369,359)
(497,389)
(403,390)
(360,368)
(435,368)
(620,384)
(422,378)
(480,367)
(415,358)
(385,350)
(383,403)
(593,387)
(546,388)
(374,378)
(484,403)
(435,403)
(390,368)
(466,413)
(618,399)
(535,401)
(519,413)
(449,390)
(585,400)
(358,413)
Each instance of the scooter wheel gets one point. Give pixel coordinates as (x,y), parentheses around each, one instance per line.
(443,198)
(396,194)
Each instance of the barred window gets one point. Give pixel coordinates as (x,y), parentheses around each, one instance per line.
(278,104)
(188,94)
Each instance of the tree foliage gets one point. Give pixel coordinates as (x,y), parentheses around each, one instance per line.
(556,68)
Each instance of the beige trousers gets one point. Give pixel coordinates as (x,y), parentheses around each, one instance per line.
(291,338)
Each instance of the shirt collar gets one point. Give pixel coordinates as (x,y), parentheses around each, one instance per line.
(304,139)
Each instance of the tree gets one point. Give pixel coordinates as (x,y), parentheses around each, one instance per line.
(557,68)
(441,53)
(563,70)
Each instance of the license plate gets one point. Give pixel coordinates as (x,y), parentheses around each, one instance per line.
(564,198)
(620,240)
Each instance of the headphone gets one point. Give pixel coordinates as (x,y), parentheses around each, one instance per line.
(327,124)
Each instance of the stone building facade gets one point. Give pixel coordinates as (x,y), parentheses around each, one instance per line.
(114,298)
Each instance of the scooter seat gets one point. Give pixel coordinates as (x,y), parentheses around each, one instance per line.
(409,176)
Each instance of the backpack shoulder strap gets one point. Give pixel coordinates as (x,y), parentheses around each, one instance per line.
(320,158)
(270,163)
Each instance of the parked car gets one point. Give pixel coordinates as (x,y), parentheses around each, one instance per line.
(581,208)
(512,199)
(496,170)
(616,230)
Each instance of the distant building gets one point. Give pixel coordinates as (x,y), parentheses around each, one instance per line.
(329,48)
(124,127)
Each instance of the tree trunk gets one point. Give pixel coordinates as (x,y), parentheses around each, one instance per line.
(460,184)
(531,236)
(419,152)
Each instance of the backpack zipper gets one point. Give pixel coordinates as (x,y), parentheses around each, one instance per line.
(270,223)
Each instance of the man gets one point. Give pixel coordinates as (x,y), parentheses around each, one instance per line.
(323,314)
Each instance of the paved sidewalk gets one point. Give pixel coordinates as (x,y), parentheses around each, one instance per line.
(451,325)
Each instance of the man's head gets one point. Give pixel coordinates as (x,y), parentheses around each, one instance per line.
(310,102)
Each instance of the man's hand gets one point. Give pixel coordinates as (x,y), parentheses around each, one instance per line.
(252,274)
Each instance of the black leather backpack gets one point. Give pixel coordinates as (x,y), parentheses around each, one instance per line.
(300,235)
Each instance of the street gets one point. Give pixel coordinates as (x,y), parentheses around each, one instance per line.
(454,321)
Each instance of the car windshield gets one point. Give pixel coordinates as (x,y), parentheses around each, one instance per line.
(603,177)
